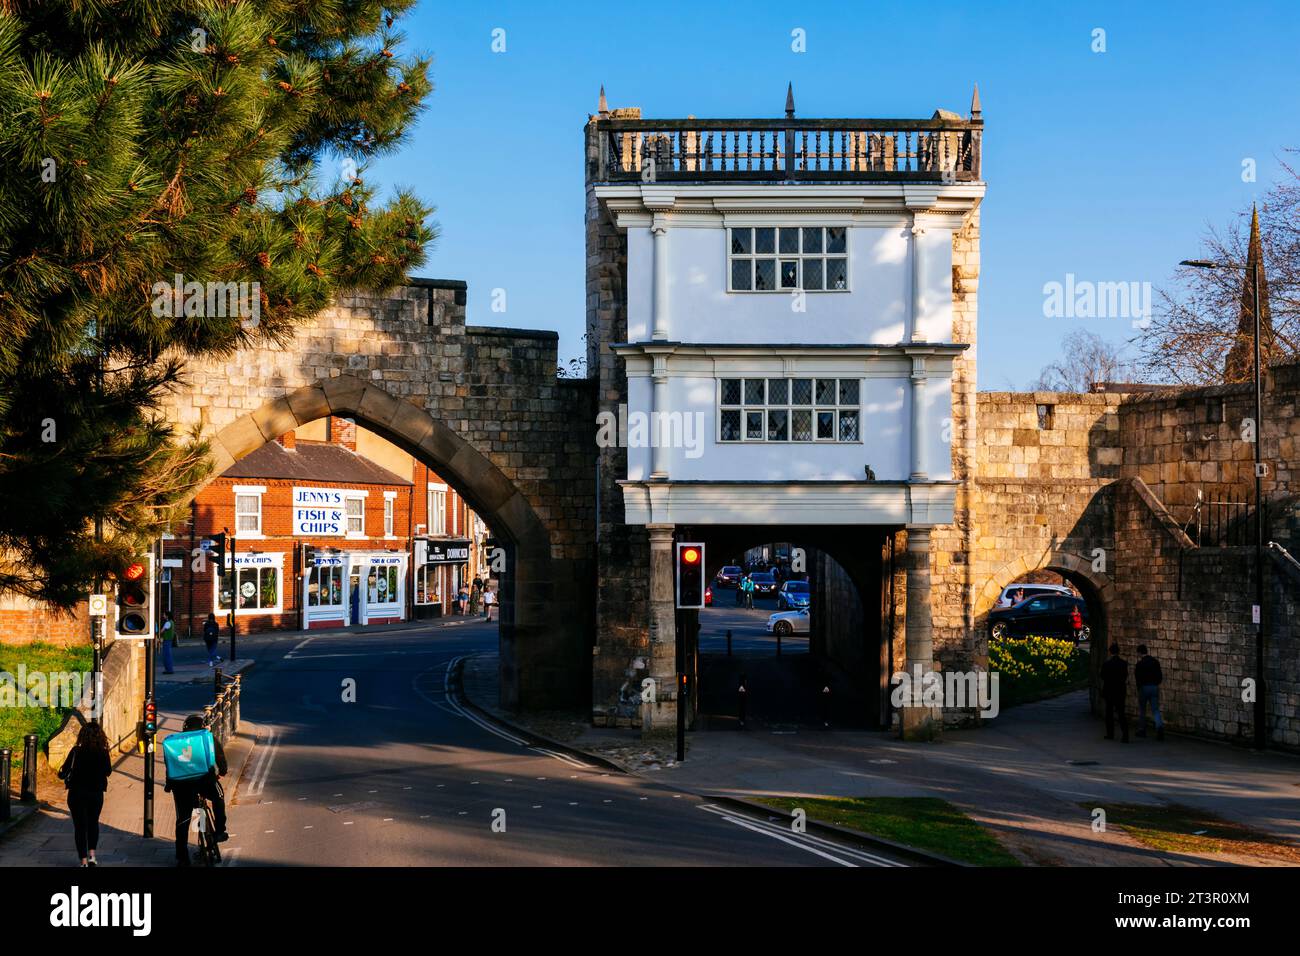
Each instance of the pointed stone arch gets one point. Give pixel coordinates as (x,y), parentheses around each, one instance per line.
(1067,563)
(532,673)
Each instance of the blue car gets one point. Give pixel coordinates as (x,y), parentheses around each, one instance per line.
(794,596)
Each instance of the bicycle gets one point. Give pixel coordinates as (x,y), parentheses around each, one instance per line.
(204,823)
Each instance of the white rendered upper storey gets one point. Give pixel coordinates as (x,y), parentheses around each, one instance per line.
(790,314)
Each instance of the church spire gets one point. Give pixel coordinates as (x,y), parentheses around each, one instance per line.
(1240,364)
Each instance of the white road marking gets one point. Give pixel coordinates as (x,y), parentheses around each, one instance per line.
(262,766)
(805,841)
(565,758)
(297,647)
(230,856)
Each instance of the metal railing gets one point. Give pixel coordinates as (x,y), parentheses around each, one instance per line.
(935,150)
(1225,523)
(222,715)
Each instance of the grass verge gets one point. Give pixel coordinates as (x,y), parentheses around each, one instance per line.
(1180,829)
(926,823)
(26,718)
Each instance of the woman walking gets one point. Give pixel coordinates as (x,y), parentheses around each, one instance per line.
(168,635)
(211,632)
(85,772)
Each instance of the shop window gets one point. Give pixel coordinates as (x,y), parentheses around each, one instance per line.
(428,590)
(251,589)
(325,587)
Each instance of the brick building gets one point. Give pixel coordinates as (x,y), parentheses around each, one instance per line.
(325,534)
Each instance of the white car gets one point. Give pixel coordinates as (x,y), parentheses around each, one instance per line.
(1008,596)
(788,622)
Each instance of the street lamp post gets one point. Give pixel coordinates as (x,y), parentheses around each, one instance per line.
(1258,611)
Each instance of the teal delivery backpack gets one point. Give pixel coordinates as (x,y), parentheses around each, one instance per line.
(189,755)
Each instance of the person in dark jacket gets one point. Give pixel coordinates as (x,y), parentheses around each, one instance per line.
(211,634)
(85,773)
(1114,684)
(1147,676)
(186,795)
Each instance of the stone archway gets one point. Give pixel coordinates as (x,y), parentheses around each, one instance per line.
(535,666)
(1066,563)
(1097,588)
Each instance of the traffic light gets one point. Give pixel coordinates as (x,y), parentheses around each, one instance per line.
(217,551)
(150,718)
(135,599)
(690,575)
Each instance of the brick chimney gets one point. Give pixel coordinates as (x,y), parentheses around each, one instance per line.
(343,431)
(286,440)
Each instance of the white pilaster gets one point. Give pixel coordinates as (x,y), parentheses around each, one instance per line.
(919,432)
(659,306)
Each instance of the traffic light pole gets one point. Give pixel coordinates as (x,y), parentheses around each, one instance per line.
(681,687)
(234,592)
(151,648)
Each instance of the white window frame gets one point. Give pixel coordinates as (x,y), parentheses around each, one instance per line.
(249,491)
(789,407)
(390,513)
(798,257)
(278,608)
(348,497)
(437,515)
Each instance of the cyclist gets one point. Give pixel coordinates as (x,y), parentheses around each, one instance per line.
(188,796)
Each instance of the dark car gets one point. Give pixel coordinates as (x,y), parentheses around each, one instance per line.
(764,582)
(1046,615)
(730,577)
(793,595)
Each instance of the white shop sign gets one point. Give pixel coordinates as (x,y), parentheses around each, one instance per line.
(319,511)
(258,560)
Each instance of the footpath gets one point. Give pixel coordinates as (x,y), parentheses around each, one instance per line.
(44,836)
(1034,777)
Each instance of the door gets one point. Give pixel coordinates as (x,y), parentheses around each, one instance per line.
(356,597)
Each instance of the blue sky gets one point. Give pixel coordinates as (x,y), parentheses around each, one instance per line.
(1107,165)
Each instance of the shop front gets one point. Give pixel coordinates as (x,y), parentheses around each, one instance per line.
(440,565)
(357,587)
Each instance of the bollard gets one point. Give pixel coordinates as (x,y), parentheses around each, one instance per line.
(826,706)
(6,768)
(216,680)
(234,727)
(728,642)
(207,716)
(744,698)
(28,794)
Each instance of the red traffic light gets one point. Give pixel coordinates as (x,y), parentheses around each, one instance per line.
(133,572)
(691,555)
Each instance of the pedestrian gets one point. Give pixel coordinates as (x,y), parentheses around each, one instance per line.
(167,632)
(462,601)
(1114,686)
(85,773)
(1147,676)
(211,633)
(489,600)
(1076,623)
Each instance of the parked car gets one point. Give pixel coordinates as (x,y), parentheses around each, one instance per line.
(764,582)
(789,622)
(730,577)
(793,594)
(1048,615)
(1008,595)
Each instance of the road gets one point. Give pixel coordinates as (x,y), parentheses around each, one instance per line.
(403,775)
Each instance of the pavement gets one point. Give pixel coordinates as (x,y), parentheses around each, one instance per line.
(363,757)
(1033,776)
